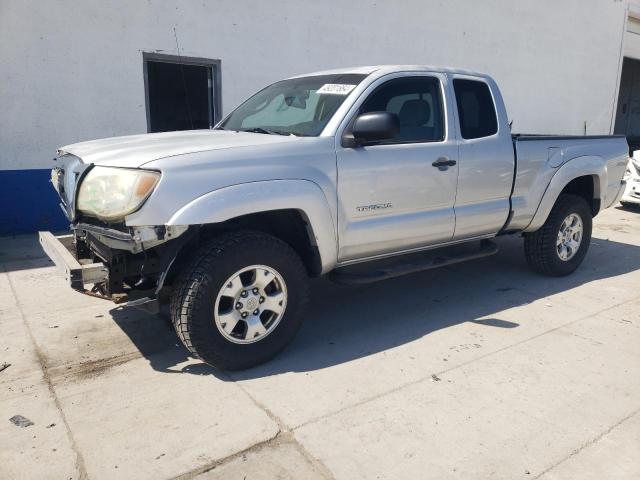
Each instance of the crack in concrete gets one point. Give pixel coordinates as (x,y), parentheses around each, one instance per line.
(589,443)
(79,464)
(284,435)
(280,438)
(210,466)
(288,433)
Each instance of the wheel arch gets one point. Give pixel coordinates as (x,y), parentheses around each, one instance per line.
(584,176)
(295,211)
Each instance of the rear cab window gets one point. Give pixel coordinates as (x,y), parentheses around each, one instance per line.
(476,109)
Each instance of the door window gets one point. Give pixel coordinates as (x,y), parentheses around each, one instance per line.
(418,103)
(476,110)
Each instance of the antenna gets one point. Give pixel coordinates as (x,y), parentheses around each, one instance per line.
(184,81)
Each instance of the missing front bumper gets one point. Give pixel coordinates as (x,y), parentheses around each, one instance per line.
(123,277)
(61,250)
(86,278)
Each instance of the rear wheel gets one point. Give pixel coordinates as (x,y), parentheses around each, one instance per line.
(240,301)
(560,245)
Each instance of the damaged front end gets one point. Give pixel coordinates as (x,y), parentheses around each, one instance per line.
(127,267)
(103,256)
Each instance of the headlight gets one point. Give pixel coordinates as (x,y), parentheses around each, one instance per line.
(112,193)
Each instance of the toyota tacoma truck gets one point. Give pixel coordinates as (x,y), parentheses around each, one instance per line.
(359,174)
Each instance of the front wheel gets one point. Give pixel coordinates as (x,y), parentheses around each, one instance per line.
(560,245)
(240,301)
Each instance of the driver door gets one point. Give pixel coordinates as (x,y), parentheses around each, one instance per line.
(392,197)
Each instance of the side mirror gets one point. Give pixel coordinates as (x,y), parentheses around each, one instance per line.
(372,127)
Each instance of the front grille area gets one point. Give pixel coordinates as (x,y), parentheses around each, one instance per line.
(64,177)
(57,180)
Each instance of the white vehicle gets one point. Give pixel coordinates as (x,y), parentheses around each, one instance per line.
(631,194)
(360,174)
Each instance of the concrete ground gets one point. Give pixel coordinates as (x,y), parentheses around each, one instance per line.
(481,370)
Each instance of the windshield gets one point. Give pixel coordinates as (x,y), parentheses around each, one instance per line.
(299,106)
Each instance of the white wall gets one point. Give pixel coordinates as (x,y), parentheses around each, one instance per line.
(632,35)
(72,70)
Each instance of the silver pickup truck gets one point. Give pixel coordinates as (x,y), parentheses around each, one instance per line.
(360,174)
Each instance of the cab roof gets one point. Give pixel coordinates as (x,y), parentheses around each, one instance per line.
(385,69)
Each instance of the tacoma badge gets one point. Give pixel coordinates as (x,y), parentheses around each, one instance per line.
(377,206)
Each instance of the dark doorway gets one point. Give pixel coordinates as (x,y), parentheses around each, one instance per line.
(628,111)
(182,93)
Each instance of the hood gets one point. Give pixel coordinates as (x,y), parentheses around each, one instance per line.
(135,150)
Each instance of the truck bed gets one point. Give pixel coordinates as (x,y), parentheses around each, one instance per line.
(523,137)
(540,157)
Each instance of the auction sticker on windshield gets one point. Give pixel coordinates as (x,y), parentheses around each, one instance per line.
(335,89)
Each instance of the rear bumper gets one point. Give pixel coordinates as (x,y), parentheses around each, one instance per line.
(61,251)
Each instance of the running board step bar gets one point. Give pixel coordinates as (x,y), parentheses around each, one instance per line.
(378,270)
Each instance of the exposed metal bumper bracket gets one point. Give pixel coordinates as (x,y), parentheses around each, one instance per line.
(62,252)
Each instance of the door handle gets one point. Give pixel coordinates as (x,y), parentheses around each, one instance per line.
(443,163)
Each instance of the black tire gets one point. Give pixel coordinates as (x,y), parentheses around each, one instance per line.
(540,246)
(200,281)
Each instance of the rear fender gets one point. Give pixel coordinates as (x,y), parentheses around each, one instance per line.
(576,167)
(254,197)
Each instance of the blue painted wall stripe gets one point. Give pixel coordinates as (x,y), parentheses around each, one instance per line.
(29,202)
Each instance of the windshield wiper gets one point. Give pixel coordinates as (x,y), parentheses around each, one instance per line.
(263,130)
